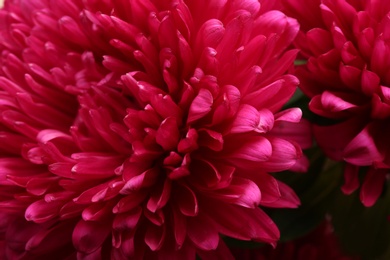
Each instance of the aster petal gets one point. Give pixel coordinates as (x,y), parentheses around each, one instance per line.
(155,236)
(351,179)
(187,201)
(241,191)
(244,224)
(159,198)
(284,155)
(250,119)
(299,132)
(180,227)
(42,211)
(52,238)
(88,236)
(372,186)
(221,252)
(362,150)
(254,149)
(201,106)
(203,233)
(274,95)
(145,179)
(168,134)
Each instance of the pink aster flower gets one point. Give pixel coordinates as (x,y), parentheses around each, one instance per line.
(347,78)
(143,129)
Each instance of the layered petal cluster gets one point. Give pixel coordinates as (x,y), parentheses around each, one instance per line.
(144,129)
(346,44)
(320,244)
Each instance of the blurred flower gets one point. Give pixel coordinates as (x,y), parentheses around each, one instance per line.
(320,244)
(347,76)
(143,129)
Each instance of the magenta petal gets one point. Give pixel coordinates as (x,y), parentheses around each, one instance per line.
(292,115)
(333,139)
(160,197)
(221,252)
(88,236)
(202,233)
(284,155)
(258,226)
(241,191)
(145,179)
(155,236)
(268,186)
(200,106)
(351,178)
(362,150)
(42,211)
(249,119)
(210,139)
(288,198)
(334,103)
(372,186)
(168,134)
(127,221)
(51,238)
(228,105)
(186,200)
(255,148)
(179,227)
(370,82)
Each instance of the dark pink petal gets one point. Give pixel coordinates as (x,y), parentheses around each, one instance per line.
(168,134)
(372,186)
(42,211)
(145,179)
(241,191)
(155,237)
(274,95)
(333,139)
(127,221)
(380,109)
(129,202)
(362,150)
(228,104)
(200,106)
(160,197)
(202,232)
(189,143)
(186,201)
(250,119)
(300,132)
(351,178)
(51,238)
(179,227)
(221,252)
(89,236)
(258,226)
(284,155)
(210,139)
(288,198)
(256,149)
(292,115)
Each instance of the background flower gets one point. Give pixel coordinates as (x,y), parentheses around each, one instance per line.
(144,129)
(347,78)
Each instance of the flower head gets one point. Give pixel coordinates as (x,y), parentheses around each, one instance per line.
(347,78)
(137,129)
